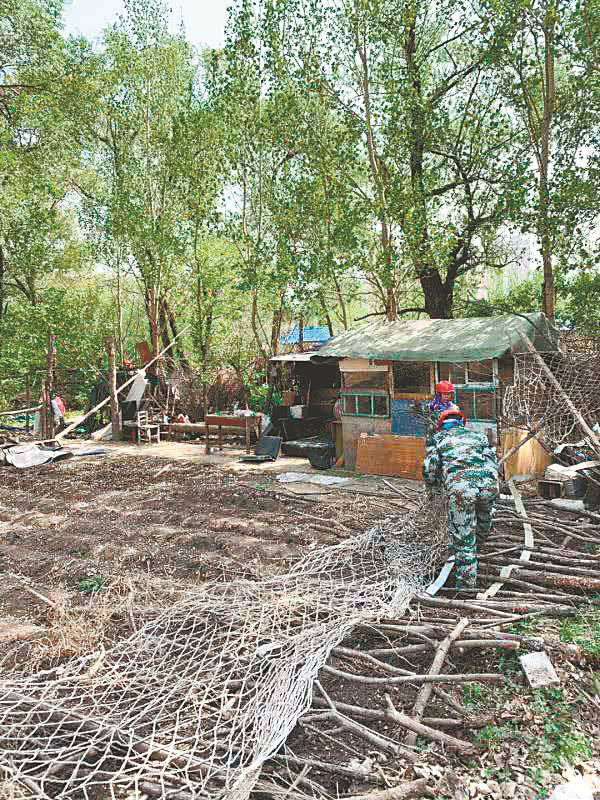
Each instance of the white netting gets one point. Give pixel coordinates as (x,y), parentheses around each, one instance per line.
(194,702)
(533,403)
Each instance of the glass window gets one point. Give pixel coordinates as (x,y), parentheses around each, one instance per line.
(412,376)
(366,405)
(455,373)
(380,406)
(506,370)
(485,405)
(377,381)
(349,404)
(477,405)
(481,371)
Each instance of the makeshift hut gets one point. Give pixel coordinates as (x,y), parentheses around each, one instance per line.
(389,368)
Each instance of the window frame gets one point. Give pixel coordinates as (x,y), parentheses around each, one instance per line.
(371,396)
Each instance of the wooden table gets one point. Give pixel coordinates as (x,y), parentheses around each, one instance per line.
(220,421)
(175,430)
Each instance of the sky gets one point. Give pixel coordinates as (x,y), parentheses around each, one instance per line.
(204,20)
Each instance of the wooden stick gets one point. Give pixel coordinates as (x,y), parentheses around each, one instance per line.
(436,665)
(475,677)
(19,411)
(127,383)
(417,728)
(405,791)
(112,383)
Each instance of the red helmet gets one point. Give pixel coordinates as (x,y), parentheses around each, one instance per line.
(450,413)
(444,387)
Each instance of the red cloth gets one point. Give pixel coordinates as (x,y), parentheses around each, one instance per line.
(60,404)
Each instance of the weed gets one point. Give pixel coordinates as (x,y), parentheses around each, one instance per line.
(472,694)
(507,663)
(583,630)
(78,553)
(561,744)
(91,585)
(491,736)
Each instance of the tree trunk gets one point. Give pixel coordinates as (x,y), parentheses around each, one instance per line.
(549,95)
(326,313)
(276,326)
(112,385)
(254,323)
(2,285)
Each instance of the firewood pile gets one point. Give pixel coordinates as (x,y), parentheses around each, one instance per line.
(400,678)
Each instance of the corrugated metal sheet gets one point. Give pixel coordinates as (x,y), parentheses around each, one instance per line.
(454,340)
(310,335)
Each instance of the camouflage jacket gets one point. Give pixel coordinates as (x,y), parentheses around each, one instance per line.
(457,457)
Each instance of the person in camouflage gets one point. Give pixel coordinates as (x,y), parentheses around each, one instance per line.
(463,462)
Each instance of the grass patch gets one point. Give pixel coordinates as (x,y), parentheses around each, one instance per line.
(91,585)
(583,630)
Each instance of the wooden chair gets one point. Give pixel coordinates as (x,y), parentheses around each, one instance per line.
(147,428)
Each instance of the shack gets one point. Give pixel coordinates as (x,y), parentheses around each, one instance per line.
(389,368)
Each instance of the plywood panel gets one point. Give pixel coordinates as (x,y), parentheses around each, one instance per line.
(391,455)
(531,459)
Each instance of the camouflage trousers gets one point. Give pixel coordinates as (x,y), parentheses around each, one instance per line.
(470,517)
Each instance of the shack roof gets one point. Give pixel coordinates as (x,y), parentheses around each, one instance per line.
(454,340)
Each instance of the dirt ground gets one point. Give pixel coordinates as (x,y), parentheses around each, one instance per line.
(134,516)
(142,518)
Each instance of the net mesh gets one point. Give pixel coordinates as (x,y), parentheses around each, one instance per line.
(533,403)
(194,702)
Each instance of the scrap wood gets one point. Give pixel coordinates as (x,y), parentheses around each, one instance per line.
(436,665)
(528,544)
(405,791)
(417,728)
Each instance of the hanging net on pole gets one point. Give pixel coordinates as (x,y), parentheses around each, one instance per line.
(533,403)
(194,702)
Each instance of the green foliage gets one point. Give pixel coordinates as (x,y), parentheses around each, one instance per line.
(258,393)
(92,585)
(472,694)
(561,745)
(583,630)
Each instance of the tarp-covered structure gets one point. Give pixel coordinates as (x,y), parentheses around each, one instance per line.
(444,340)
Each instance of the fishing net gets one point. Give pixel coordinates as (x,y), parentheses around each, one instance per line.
(533,403)
(194,702)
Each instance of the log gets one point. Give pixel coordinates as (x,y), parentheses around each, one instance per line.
(406,791)
(436,665)
(417,728)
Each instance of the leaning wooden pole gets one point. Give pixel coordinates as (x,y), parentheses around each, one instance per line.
(595,441)
(112,385)
(96,408)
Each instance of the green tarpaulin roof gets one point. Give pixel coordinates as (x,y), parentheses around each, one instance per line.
(454,340)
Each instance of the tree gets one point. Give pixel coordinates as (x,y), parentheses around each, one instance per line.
(547,64)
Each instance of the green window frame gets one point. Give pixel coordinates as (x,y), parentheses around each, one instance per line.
(351,404)
(473,390)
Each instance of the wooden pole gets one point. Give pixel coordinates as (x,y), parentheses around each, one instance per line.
(128,383)
(50,360)
(112,385)
(569,403)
